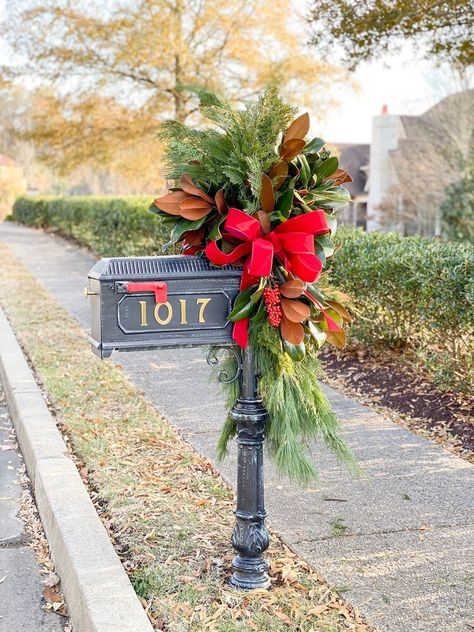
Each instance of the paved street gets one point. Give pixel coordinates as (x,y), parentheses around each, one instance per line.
(399,541)
(20,587)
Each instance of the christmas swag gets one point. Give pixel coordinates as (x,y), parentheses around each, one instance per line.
(255,193)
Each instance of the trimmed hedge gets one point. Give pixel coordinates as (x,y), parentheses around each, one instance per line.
(415,292)
(109,226)
(407,291)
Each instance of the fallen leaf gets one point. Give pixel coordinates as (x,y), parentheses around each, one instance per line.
(51,580)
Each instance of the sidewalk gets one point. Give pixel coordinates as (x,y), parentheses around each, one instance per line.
(20,586)
(399,541)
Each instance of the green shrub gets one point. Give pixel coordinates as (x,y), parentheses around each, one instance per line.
(110,226)
(407,291)
(415,292)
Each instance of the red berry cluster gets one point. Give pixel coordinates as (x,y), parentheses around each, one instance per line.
(272,303)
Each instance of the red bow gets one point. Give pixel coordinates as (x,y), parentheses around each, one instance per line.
(292,242)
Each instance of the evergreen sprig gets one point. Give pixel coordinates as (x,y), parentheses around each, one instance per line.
(235,155)
(299,410)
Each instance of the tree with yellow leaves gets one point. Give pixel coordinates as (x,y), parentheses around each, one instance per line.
(109,73)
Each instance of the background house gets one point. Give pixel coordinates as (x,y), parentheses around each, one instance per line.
(355,160)
(401,177)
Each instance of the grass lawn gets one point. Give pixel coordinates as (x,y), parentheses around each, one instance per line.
(168,511)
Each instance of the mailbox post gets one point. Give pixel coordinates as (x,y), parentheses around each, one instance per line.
(250,537)
(140,303)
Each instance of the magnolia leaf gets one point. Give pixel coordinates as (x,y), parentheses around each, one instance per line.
(313,146)
(183,226)
(194,237)
(305,171)
(154,209)
(291,332)
(243,306)
(333,198)
(278,172)
(318,334)
(188,185)
(294,179)
(285,202)
(260,314)
(339,296)
(326,243)
(255,297)
(302,202)
(320,252)
(339,177)
(194,208)
(221,203)
(335,316)
(315,291)
(326,168)
(265,221)
(170,203)
(296,352)
(267,197)
(337,338)
(294,310)
(291,148)
(215,232)
(292,289)
(299,128)
(340,309)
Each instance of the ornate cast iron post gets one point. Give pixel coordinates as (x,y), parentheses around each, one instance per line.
(250,537)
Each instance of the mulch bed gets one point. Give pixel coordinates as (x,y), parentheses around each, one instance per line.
(406,393)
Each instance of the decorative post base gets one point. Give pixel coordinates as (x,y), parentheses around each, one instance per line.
(250,537)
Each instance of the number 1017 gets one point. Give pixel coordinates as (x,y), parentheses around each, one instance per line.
(163,312)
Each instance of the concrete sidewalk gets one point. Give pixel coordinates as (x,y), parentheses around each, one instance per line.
(399,541)
(20,585)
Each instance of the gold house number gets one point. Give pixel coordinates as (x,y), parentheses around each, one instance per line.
(163,312)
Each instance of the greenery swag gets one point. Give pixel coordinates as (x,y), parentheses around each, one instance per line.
(255,193)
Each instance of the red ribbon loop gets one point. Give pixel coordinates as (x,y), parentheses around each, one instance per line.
(292,243)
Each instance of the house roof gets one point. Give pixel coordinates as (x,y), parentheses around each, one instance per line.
(353,158)
(431,150)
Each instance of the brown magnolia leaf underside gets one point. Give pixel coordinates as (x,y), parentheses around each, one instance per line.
(291,332)
(278,172)
(291,148)
(188,185)
(267,197)
(296,311)
(264,220)
(193,208)
(299,128)
(292,289)
(341,310)
(170,203)
(221,203)
(339,176)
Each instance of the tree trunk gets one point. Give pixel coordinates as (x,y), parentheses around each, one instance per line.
(179,104)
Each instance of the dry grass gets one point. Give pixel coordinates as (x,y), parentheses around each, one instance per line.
(168,511)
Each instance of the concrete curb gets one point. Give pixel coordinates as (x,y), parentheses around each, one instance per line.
(98,592)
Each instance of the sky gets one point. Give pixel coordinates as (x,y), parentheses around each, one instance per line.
(402,83)
(405,84)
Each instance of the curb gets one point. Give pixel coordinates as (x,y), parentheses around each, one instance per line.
(98,593)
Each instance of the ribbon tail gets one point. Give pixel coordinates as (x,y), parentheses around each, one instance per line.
(240,333)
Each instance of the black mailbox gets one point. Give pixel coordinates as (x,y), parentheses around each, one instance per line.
(153,302)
